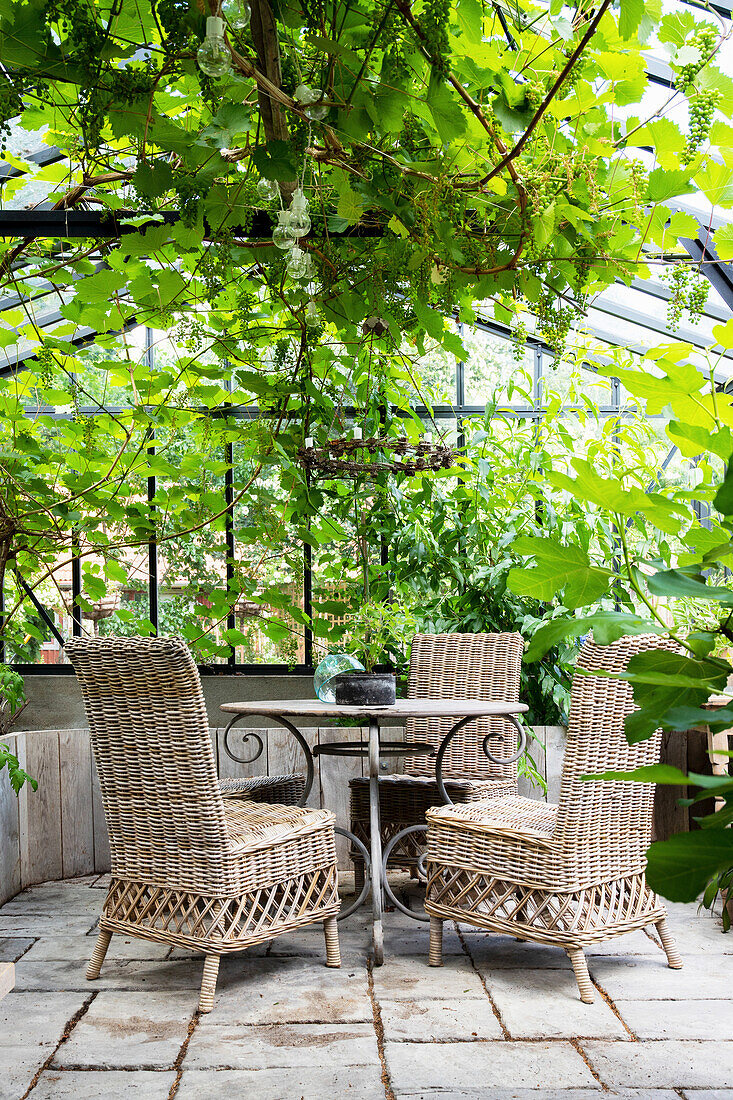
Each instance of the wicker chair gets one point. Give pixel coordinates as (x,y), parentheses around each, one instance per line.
(571,874)
(458,666)
(190,868)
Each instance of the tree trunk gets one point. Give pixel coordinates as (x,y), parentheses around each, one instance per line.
(267,45)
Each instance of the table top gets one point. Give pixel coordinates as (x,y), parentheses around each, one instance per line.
(403,708)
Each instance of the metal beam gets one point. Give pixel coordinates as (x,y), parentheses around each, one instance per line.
(47,155)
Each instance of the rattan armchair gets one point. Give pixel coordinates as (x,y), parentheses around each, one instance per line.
(190,868)
(457,666)
(571,874)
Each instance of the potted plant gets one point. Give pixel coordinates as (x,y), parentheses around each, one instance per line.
(376,628)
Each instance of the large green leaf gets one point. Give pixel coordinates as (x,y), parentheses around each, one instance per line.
(681,867)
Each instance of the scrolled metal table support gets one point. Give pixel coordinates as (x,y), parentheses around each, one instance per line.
(485,745)
(357,902)
(288,726)
(387,887)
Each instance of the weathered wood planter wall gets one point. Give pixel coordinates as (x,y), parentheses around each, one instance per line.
(59,831)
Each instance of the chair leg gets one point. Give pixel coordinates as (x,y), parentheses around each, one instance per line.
(435,952)
(580,966)
(333,951)
(100,950)
(208,983)
(674,959)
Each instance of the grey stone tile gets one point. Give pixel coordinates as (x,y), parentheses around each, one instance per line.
(633,978)
(12,947)
(31,1027)
(411,979)
(697,930)
(139,1030)
(327,1083)
(710,1094)
(415,941)
(668,1063)
(633,943)
(290,990)
(56,1084)
(422,1020)
(540,1094)
(678,1019)
(121,948)
(281,1046)
(486,1065)
(545,1004)
(491,951)
(47,900)
(134,975)
(56,923)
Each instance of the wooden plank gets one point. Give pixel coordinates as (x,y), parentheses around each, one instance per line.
(9,831)
(285,756)
(233,769)
(669,816)
(102,858)
(536,749)
(555,738)
(718,754)
(40,811)
(7,978)
(698,760)
(77,820)
(335,773)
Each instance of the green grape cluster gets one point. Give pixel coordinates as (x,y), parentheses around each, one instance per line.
(519,336)
(705,40)
(534,93)
(553,322)
(639,181)
(11,105)
(697,297)
(678,280)
(702,110)
(434,23)
(46,367)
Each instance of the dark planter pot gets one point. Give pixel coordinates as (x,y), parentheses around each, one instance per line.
(365,689)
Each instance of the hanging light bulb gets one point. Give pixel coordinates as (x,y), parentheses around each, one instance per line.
(213,53)
(297,264)
(283,236)
(312,316)
(267,189)
(299,220)
(237,14)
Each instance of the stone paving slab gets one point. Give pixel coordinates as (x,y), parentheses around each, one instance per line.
(492,952)
(74,947)
(542,1094)
(31,1026)
(12,947)
(408,978)
(668,1063)
(120,974)
(54,1084)
(141,1030)
(709,1094)
(425,1021)
(54,923)
(290,990)
(544,1004)
(678,1019)
(282,1046)
(327,1083)
(632,978)
(487,1065)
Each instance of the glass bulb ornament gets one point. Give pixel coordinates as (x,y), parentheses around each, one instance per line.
(299,222)
(267,190)
(213,54)
(311,100)
(283,235)
(237,14)
(297,263)
(312,316)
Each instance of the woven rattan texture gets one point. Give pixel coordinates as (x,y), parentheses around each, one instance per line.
(571,874)
(453,666)
(286,789)
(188,866)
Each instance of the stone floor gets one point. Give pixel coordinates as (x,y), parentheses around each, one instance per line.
(501,1019)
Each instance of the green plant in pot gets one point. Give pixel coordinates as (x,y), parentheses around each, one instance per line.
(376,628)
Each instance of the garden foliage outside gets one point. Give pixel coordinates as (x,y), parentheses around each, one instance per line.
(456,157)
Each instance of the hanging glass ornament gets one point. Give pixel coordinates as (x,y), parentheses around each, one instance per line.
(213,54)
(312,316)
(297,264)
(283,236)
(311,100)
(299,220)
(237,14)
(267,190)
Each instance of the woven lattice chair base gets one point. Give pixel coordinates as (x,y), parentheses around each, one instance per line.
(287,790)
(403,801)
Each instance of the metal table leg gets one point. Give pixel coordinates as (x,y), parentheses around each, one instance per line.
(376,845)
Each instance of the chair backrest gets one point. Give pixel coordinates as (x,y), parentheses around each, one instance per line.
(154,757)
(605,826)
(465,666)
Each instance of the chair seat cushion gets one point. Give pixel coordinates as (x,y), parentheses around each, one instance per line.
(517,818)
(271,843)
(285,789)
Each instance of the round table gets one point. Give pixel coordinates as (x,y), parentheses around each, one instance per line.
(461,710)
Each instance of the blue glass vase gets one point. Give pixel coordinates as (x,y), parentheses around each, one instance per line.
(328,668)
